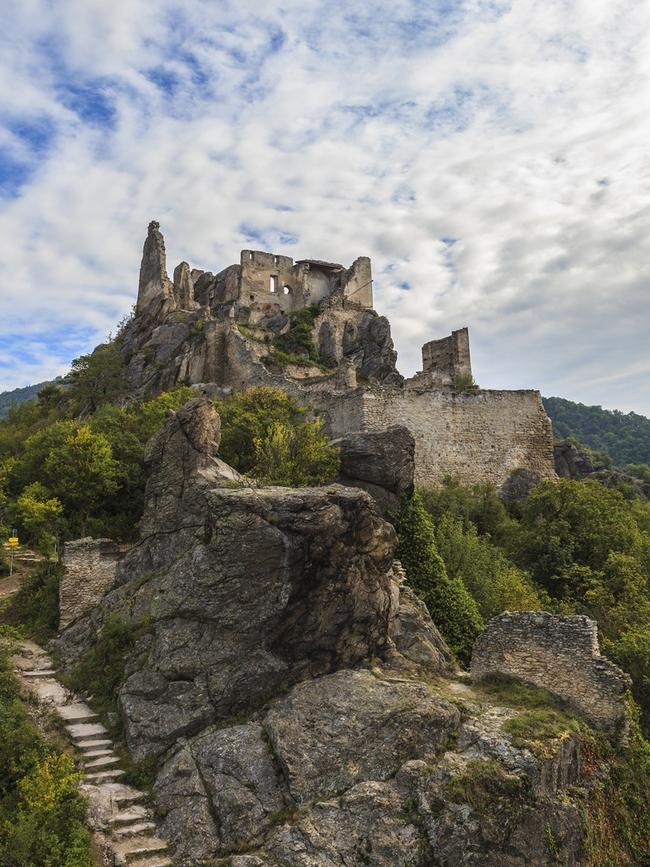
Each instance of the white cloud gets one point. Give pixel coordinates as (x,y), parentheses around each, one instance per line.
(518,130)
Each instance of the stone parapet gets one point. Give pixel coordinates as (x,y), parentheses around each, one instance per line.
(89,573)
(560,654)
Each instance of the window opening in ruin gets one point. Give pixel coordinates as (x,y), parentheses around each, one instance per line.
(276,259)
(286,290)
(273,283)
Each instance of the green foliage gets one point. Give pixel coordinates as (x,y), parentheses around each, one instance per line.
(40,516)
(482,783)
(19,395)
(98,378)
(94,468)
(36,604)
(476,505)
(452,608)
(41,810)
(298,341)
(295,456)
(495,583)
(616,808)
(101,670)
(623,436)
(542,718)
(464,383)
(567,523)
(265,434)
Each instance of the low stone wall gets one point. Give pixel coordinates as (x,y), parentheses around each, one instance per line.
(89,572)
(561,655)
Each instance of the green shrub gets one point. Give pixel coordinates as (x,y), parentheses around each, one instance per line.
(41,810)
(101,670)
(495,583)
(464,382)
(265,434)
(451,607)
(298,341)
(36,604)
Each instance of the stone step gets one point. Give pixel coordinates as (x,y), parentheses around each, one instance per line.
(99,743)
(104,776)
(77,712)
(40,672)
(133,830)
(123,795)
(137,849)
(97,754)
(86,731)
(133,813)
(154,861)
(102,762)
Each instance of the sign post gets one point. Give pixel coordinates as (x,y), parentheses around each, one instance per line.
(12,545)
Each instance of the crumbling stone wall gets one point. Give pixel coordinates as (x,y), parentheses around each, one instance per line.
(481,437)
(89,572)
(445,359)
(560,654)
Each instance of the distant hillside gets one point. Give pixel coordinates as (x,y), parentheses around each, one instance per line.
(624,436)
(18,395)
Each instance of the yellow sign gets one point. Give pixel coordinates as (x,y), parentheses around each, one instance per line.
(13,542)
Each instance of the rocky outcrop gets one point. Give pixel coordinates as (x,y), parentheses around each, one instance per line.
(290,687)
(360,336)
(380,462)
(155,292)
(557,653)
(570,462)
(244,590)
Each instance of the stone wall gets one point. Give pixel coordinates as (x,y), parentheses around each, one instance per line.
(481,437)
(445,359)
(89,572)
(561,655)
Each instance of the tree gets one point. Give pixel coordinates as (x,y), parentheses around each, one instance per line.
(82,472)
(494,582)
(451,607)
(40,516)
(98,378)
(266,434)
(569,522)
(294,456)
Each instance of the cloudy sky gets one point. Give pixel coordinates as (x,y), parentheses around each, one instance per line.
(492,158)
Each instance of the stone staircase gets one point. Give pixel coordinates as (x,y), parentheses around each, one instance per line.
(117,813)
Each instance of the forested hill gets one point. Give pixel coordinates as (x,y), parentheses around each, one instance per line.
(624,436)
(18,395)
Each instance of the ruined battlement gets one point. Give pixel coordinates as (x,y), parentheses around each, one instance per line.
(89,572)
(446,360)
(224,330)
(261,280)
(560,654)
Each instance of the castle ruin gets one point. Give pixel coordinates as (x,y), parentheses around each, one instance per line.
(220,332)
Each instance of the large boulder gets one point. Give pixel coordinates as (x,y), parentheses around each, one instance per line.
(380,462)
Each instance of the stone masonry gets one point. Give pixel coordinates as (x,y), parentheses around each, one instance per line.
(560,654)
(474,437)
(89,573)
(223,330)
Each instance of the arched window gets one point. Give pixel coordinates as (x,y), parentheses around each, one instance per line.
(286,290)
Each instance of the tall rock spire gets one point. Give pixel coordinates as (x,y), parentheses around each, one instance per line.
(154,282)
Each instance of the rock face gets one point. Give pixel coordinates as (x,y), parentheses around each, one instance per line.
(561,655)
(571,463)
(289,686)
(380,462)
(245,591)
